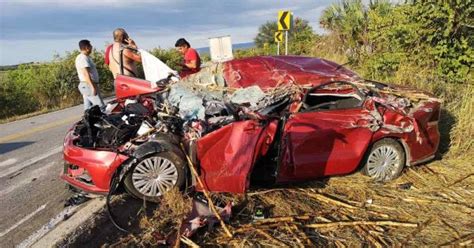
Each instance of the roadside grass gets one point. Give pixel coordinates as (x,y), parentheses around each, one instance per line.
(67,103)
(39,112)
(428,205)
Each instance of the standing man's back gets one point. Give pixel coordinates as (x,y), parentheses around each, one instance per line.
(130,57)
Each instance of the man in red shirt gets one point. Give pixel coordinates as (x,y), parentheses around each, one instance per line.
(192,61)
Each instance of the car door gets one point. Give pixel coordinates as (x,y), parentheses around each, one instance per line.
(328,136)
(228,154)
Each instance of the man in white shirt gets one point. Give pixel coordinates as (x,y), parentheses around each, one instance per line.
(88,77)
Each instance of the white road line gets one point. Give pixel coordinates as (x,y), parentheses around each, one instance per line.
(29,162)
(22,220)
(8,162)
(40,172)
(48,227)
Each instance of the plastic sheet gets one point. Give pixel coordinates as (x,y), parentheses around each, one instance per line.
(189,103)
(251,95)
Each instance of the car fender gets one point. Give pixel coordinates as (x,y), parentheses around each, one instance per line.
(142,151)
(148,148)
(400,139)
(161,144)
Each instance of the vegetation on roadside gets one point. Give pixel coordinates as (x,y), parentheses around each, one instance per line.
(425,44)
(37,87)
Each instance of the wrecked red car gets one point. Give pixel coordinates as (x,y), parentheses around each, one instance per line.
(272,119)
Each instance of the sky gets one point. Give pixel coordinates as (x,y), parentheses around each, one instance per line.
(34,31)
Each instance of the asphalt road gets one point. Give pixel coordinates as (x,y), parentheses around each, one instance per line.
(32,196)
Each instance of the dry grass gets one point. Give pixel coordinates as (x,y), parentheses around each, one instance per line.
(163,225)
(351,211)
(429,205)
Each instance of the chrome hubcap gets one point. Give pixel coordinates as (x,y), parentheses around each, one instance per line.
(154,176)
(383,162)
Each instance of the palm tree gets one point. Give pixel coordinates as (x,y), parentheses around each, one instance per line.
(349,20)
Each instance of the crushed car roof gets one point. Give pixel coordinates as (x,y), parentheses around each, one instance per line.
(272,71)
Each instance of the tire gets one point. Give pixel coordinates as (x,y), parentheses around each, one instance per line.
(143,182)
(385,160)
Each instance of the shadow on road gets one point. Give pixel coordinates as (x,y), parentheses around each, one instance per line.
(8,147)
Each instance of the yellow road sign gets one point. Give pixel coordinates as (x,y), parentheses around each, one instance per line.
(278,36)
(284,20)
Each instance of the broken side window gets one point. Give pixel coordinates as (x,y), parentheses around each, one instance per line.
(335,95)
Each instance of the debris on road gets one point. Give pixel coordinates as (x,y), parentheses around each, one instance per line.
(76,199)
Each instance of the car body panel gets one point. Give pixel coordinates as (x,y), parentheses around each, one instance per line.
(126,86)
(228,154)
(322,143)
(273,71)
(264,71)
(100,165)
(421,136)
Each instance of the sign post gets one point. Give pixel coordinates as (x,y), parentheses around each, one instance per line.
(278,39)
(284,24)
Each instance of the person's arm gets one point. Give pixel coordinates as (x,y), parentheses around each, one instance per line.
(130,54)
(192,57)
(191,64)
(85,73)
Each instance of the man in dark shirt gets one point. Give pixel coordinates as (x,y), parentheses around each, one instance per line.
(192,61)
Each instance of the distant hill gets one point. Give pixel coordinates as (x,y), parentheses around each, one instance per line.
(246,45)
(12,67)
(8,67)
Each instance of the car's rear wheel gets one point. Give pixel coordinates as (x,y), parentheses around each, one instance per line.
(154,175)
(385,160)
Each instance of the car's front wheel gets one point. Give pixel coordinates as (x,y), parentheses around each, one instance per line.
(385,160)
(154,175)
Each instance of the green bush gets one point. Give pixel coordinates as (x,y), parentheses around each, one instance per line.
(425,44)
(171,57)
(34,87)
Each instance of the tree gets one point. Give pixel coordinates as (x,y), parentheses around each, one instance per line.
(301,32)
(434,34)
(349,21)
(448,29)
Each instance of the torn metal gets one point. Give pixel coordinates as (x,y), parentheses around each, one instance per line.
(279,118)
